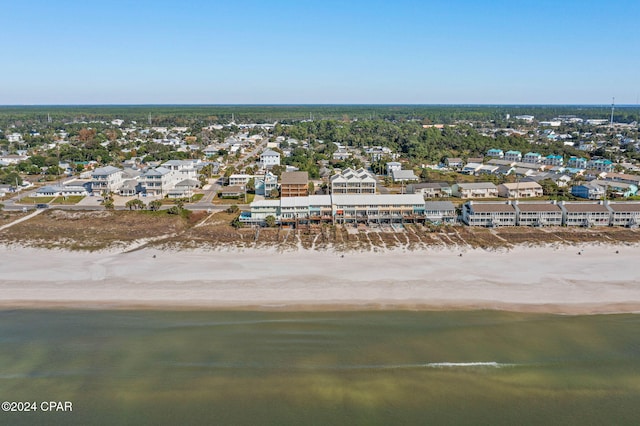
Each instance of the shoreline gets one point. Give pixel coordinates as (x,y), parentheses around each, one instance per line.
(602,279)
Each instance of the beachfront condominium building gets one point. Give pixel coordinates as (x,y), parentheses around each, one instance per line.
(106,179)
(538,213)
(294,184)
(489,214)
(625,214)
(585,213)
(353,182)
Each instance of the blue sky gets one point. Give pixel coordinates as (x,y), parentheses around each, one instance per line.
(282,51)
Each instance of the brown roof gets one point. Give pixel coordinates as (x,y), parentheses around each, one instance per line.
(295,178)
(585,207)
(625,207)
(490,208)
(538,207)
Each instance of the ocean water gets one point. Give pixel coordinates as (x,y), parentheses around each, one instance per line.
(320,368)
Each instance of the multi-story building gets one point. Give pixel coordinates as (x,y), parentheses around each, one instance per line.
(106,179)
(489,214)
(174,178)
(625,213)
(265,184)
(474,190)
(538,213)
(532,157)
(239,179)
(294,184)
(601,165)
(496,153)
(554,160)
(353,182)
(270,158)
(520,190)
(513,156)
(577,162)
(585,214)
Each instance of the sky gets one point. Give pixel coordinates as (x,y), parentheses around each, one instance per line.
(320,52)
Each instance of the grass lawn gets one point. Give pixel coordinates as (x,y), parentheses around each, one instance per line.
(35,200)
(196,198)
(219,200)
(71,199)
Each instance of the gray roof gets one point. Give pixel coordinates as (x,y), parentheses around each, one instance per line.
(108,170)
(439,205)
(270,152)
(476,185)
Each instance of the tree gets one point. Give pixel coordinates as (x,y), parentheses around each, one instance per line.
(108,203)
(135,204)
(155,205)
(312,188)
(251,185)
(270,221)
(233,209)
(274,193)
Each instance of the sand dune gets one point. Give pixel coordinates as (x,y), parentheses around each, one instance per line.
(540,279)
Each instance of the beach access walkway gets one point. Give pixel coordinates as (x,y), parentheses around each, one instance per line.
(22,219)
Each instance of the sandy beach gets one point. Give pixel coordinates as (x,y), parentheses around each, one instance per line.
(602,279)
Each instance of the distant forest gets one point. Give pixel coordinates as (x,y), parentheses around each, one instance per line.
(194,115)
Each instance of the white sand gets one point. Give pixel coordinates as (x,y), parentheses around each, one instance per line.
(523,279)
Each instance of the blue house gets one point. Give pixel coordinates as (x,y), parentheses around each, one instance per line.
(588,191)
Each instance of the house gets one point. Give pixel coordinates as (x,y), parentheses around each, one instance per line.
(488,169)
(601,165)
(471,168)
(265,184)
(553,160)
(430,189)
(527,118)
(351,181)
(532,157)
(499,162)
(588,191)
(619,189)
(156,181)
(183,189)
(393,165)
(269,158)
(520,190)
(341,155)
(404,176)
(62,190)
(577,162)
(454,162)
(48,191)
(106,179)
(440,212)
(538,213)
(475,160)
(623,177)
(513,156)
(13,158)
(489,214)
(233,191)
(239,179)
(14,137)
(585,214)
(294,184)
(474,190)
(496,153)
(625,214)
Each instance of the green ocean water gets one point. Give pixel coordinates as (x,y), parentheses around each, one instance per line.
(321,368)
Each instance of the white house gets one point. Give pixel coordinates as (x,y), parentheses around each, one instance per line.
(269,158)
(393,165)
(474,190)
(107,179)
